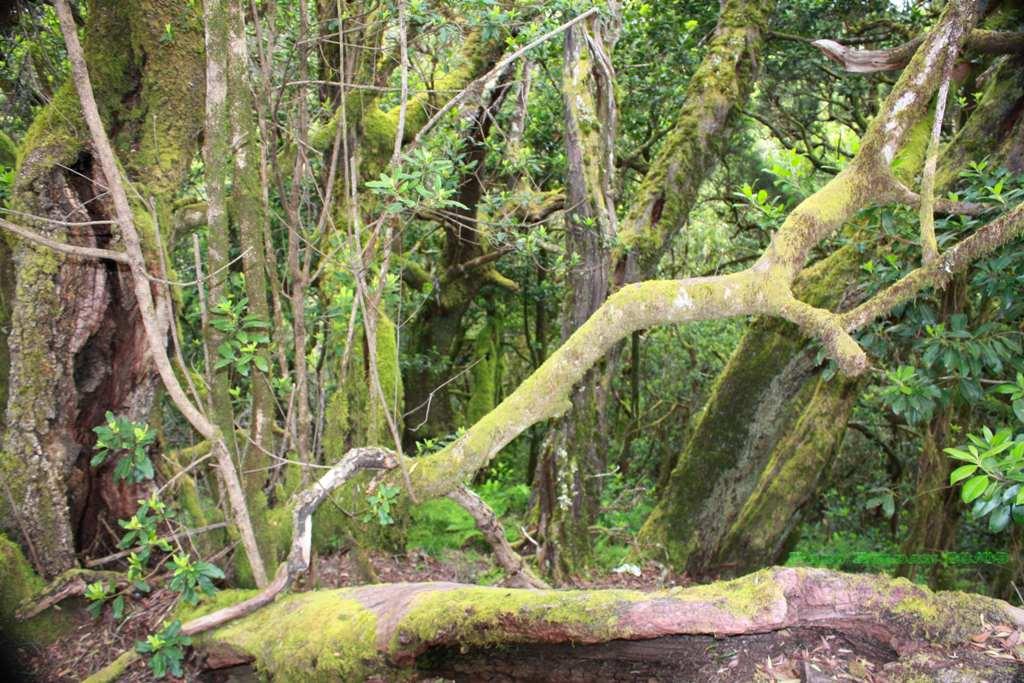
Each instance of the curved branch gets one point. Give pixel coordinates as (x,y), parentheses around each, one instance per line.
(764,288)
(936,274)
(303,505)
(63,247)
(873,61)
(489,525)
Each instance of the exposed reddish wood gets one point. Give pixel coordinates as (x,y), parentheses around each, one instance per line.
(449,629)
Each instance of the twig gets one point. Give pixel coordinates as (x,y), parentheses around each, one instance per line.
(100,561)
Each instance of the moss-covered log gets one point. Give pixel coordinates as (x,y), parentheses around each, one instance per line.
(401,631)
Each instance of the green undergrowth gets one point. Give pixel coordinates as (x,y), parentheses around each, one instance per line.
(440,525)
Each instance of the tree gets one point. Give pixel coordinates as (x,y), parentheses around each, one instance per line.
(381,162)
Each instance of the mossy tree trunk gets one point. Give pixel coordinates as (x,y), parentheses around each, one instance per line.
(763,419)
(718,496)
(77,344)
(248,212)
(568,479)
(936,505)
(437,340)
(231,154)
(796,470)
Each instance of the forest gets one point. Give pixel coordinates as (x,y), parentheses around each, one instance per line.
(512,340)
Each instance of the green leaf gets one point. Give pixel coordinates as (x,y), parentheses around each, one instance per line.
(1017,514)
(262,364)
(1000,519)
(974,487)
(958,454)
(1018,409)
(961,473)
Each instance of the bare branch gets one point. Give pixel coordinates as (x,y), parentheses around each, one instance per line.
(487,522)
(63,247)
(303,505)
(873,61)
(475,88)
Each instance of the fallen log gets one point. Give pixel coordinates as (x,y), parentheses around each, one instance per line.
(392,631)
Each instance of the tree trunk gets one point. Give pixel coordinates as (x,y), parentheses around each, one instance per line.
(77,344)
(936,504)
(755,423)
(796,470)
(567,479)
(395,631)
(716,479)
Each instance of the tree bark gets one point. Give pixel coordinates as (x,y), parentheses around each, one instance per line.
(757,439)
(77,343)
(568,481)
(762,410)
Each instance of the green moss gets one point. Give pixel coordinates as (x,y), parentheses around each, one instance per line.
(479,615)
(744,597)
(721,437)
(909,160)
(8,151)
(307,637)
(336,424)
(113,671)
(485,377)
(268,539)
(919,608)
(20,583)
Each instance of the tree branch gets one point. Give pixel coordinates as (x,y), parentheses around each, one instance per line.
(487,522)
(63,247)
(873,61)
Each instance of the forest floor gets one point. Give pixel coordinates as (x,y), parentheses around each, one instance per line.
(790,655)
